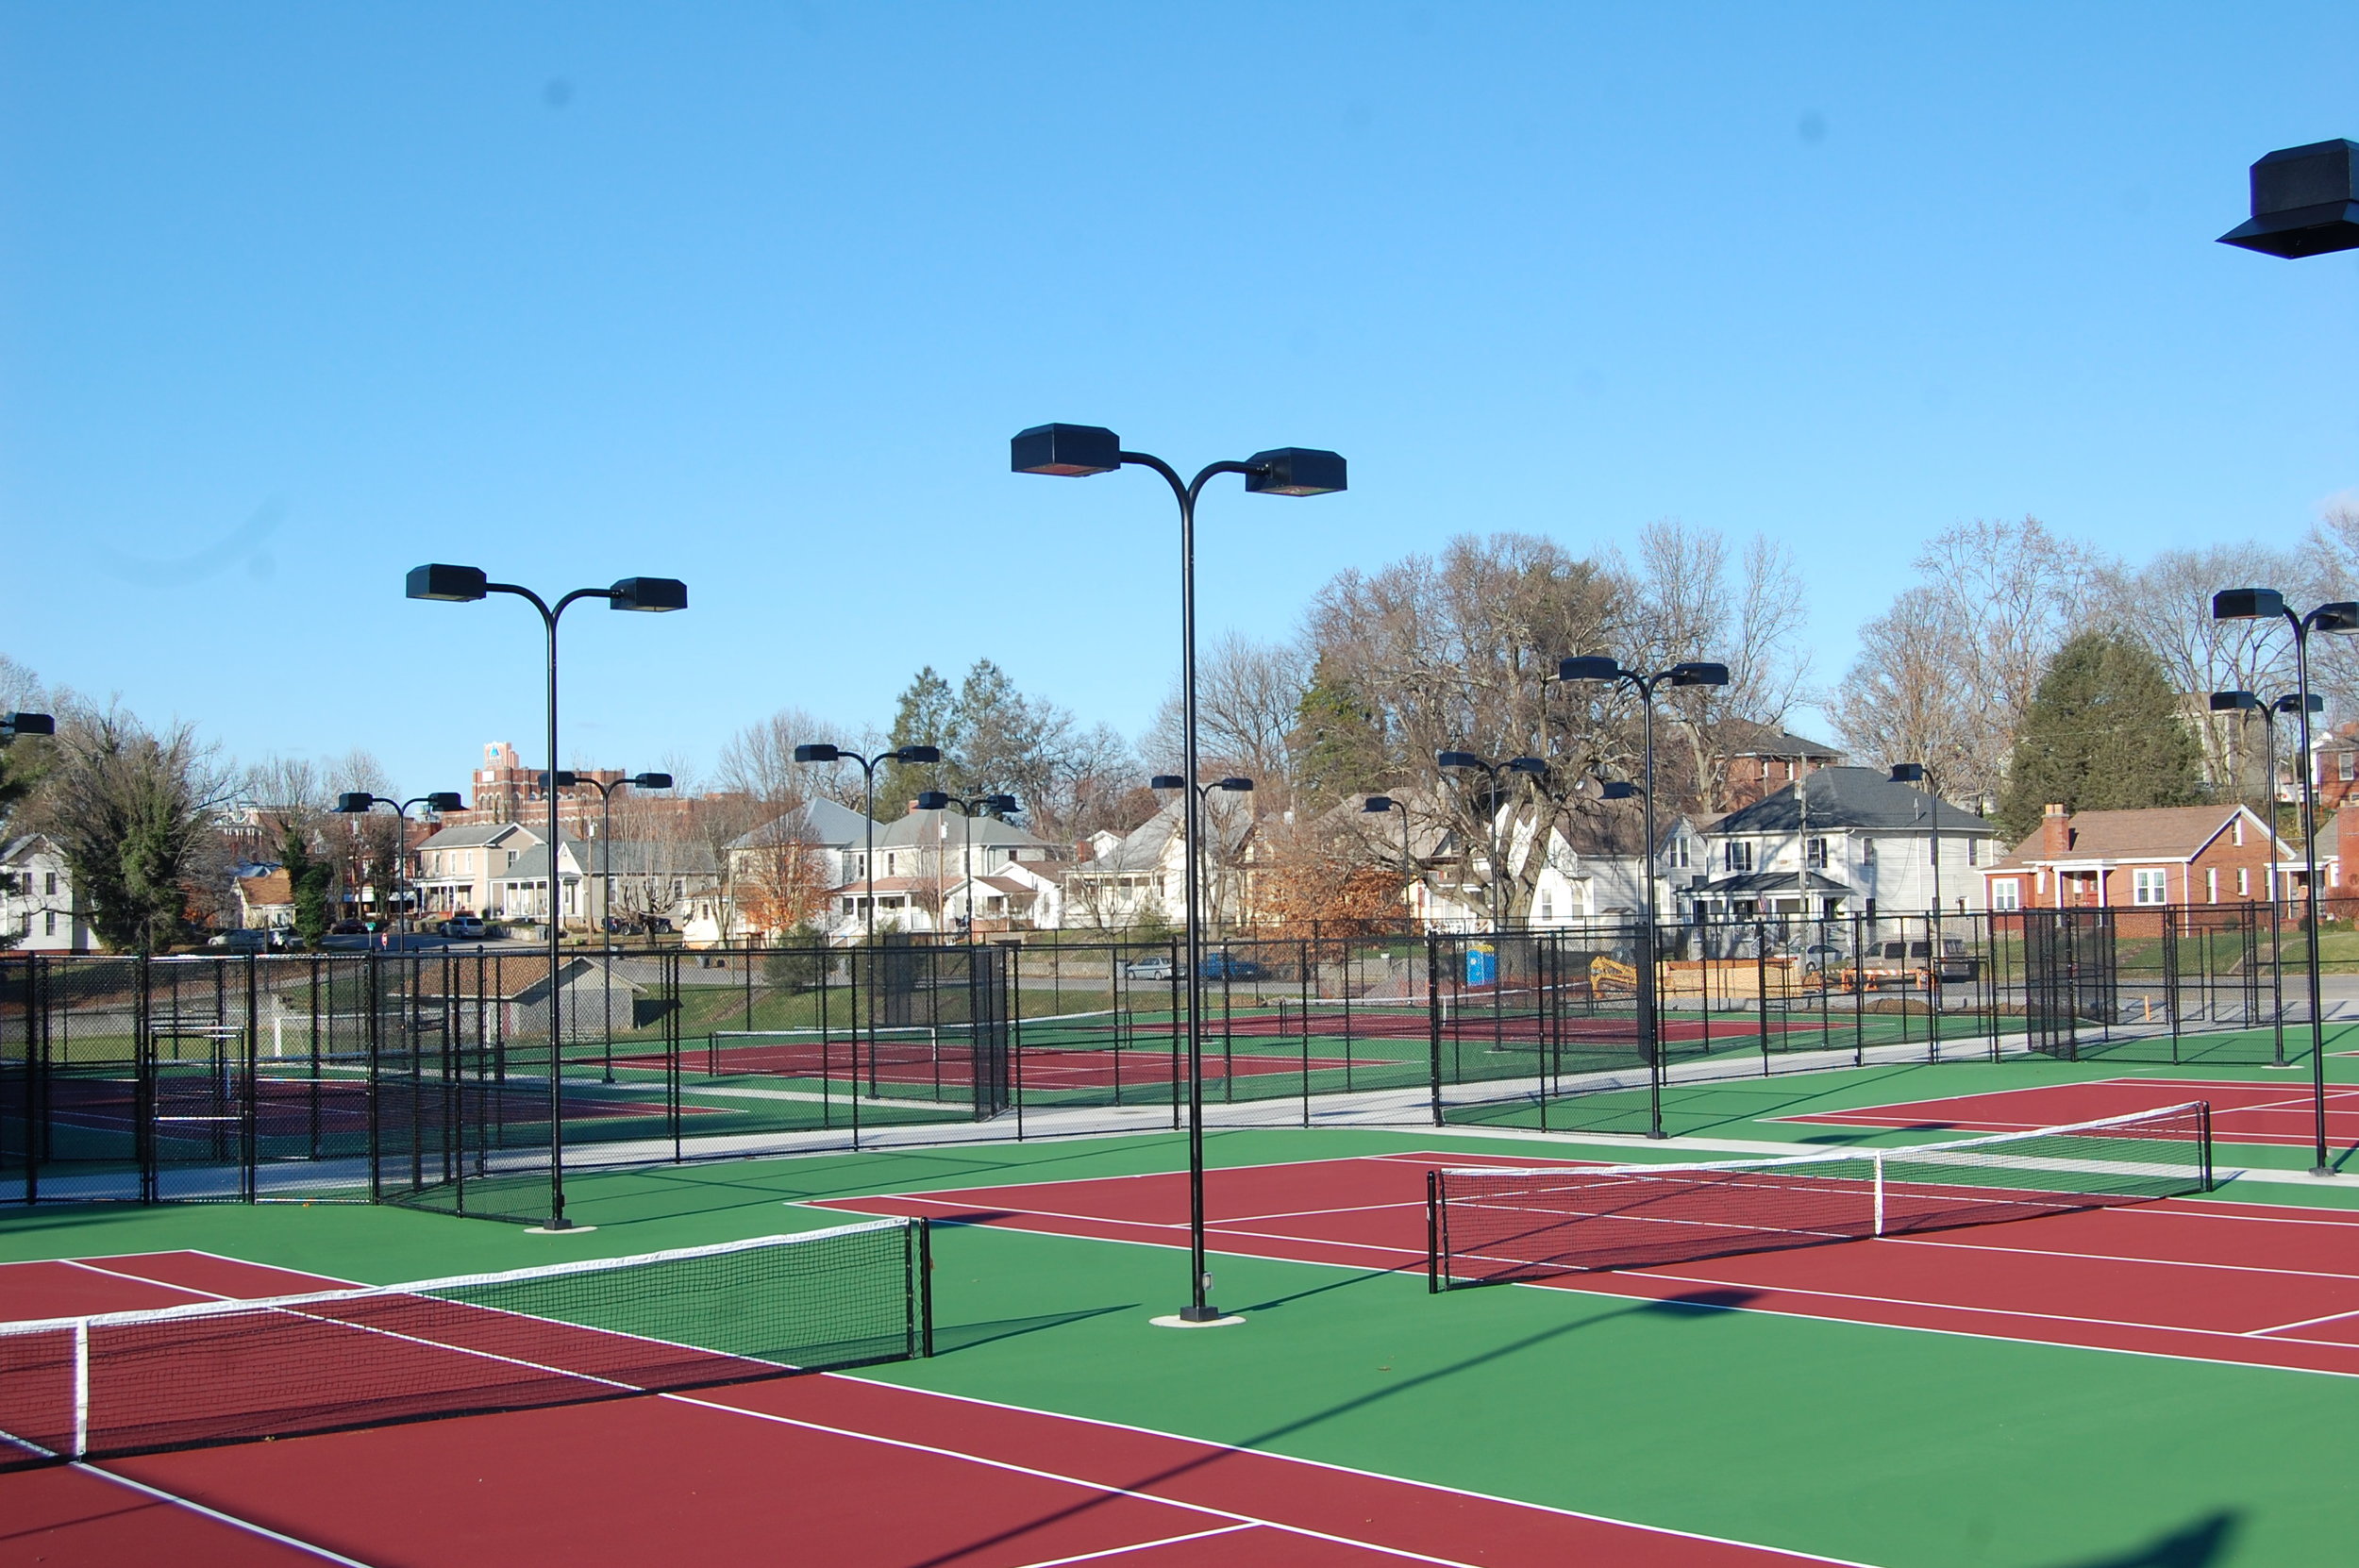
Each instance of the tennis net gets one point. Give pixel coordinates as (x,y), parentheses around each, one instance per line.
(222,1372)
(1499,1224)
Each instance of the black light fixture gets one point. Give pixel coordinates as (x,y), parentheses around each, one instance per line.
(15,724)
(355,803)
(1532,766)
(450,584)
(2305,202)
(565,778)
(2291,703)
(649,781)
(1166,781)
(456,585)
(1597,669)
(1616,789)
(1074,451)
(2340,616)
(1377,806)
(821,753)
(445,800)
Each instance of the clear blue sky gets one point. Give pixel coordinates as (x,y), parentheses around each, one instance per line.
(294,297)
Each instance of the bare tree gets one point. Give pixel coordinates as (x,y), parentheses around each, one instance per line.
(1690,614)
(1993,603)
(1249,699)
(1453,653)
(2166,607)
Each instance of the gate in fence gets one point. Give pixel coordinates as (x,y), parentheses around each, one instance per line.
(2069,979)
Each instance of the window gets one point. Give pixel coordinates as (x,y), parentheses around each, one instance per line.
(1736,855)
(2235,831)
(49,923)
(2346,763)
(891,862)
(2244,882)
(1815,854)
(2006,892)
(2210,885)
(2150,885)
(1868,852)
(49,884)
(1548,906)
(1679,856)
(1973,851)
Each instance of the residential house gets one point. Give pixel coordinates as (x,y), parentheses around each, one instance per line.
(635,880)
(1757,760)
(460,867)
(1593,870)
(265,898)
(2159,856)
(925,858)
(1842,841)
(37,904)
(1142,877)
(2333,762)
(801,858)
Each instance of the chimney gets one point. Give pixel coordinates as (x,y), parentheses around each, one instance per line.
(2055,832)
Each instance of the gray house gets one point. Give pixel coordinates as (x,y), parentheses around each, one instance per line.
(1844,841)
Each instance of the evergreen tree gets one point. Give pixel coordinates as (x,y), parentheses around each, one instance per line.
(1337,744)
(2105,731)
(925,716)
(309,879)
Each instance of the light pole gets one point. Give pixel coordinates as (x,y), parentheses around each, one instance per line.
(1164,783)
(1917,773)
(1379,805)
(911,755)
(605,883)
(651,595)
(1609,672)
(2248,702)
(2268,604)
(914,755)
(935,800)
(1467,761)
(1077,451)
(356,803)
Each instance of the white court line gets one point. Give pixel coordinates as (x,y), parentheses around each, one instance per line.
(1926,1241)
(230,1519)
(1102,1488)
(2305,1323)
(1138,1547)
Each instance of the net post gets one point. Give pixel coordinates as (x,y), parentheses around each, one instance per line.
(2203,1138)
(925,1248)
(1878,1160)
(1433,1232)
(81,1388)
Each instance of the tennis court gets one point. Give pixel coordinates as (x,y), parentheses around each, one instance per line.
(2243,1112)
(831,1464)
(2263,1285)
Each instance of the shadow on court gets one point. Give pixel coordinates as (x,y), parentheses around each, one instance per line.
(1694,1302)
(2196,1545)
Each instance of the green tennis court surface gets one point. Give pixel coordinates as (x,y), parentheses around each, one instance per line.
(1730,1416)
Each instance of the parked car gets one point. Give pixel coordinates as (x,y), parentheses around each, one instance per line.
(349,928)
(1156,966)
(248,940)
(1228,966)
(465,928)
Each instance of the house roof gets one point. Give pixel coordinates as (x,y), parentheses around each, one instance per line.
(269,887)
(926,830)
(2164,832)
(1852,798)
(817,821)
(474,836)
(27,844)
(1747,883)
(643,856)
(1743,738)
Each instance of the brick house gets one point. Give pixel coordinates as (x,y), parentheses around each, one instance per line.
(2175,854)
(1758,760)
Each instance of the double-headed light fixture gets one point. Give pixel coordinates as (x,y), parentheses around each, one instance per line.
(649,595)
(1077,451)
(1599,670)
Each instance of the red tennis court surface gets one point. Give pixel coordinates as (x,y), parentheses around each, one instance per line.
(2242,1113)
(2203,1279)
(823,1470)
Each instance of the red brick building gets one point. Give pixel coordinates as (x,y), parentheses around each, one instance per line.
(1758,760)
(2179,855)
